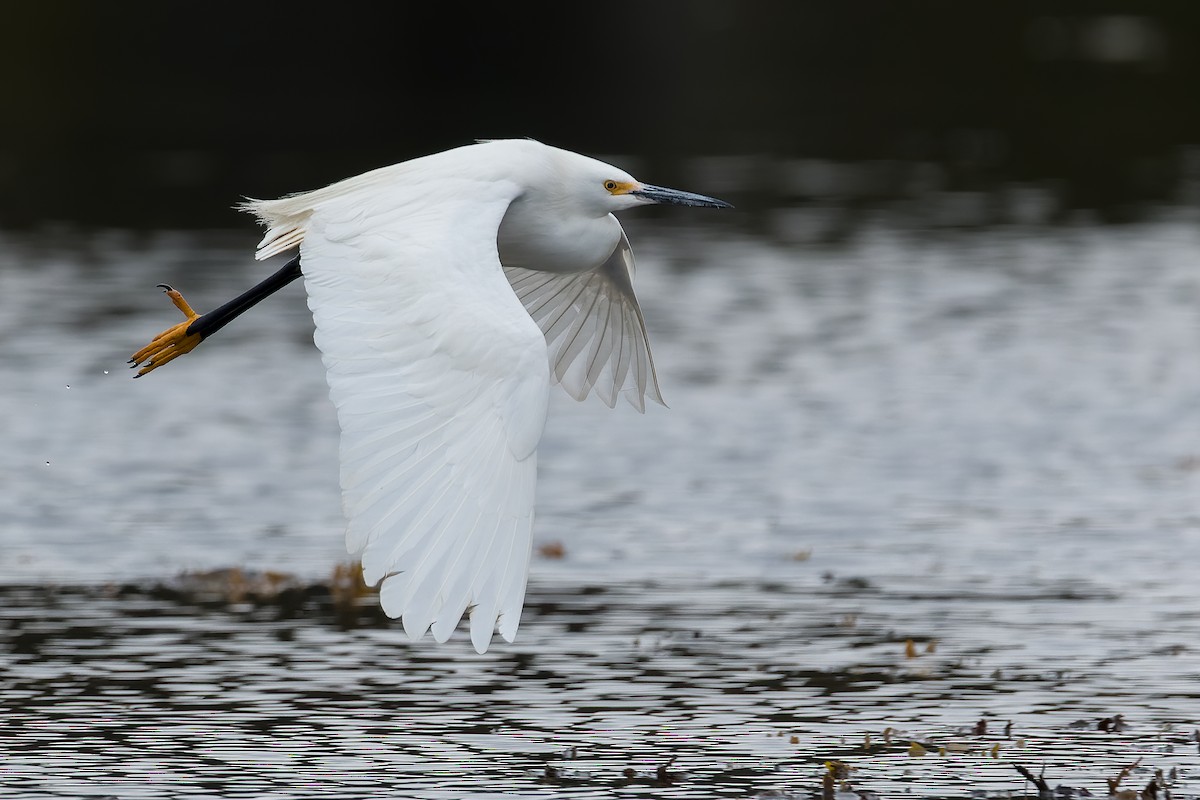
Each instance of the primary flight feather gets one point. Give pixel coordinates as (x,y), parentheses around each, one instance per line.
(449,292)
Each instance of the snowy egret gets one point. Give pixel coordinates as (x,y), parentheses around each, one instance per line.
(441,288)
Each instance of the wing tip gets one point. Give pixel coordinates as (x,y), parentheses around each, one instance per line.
(483,625)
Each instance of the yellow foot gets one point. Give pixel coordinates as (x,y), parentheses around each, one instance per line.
(171,343)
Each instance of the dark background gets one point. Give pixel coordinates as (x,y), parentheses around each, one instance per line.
(165,114)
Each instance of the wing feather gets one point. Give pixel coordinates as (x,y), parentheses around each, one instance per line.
(440,381)
(601,349)
(593,328)
(567,306)
(584,326)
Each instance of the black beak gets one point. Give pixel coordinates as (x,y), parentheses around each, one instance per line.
(674,197)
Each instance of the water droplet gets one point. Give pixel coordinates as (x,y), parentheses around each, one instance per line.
(68,386)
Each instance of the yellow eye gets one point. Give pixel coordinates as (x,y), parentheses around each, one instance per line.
(610,185)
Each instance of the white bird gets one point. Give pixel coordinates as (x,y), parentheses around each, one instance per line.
(441,288)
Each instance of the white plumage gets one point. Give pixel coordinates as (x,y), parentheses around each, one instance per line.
(449,292)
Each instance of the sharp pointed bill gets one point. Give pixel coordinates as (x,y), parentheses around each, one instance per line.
(675,197)
(449,293)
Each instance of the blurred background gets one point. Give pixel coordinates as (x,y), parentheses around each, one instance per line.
(144,114)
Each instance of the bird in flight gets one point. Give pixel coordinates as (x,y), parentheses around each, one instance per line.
(449,292)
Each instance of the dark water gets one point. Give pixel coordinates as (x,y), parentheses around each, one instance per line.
(730,688)
(983,442)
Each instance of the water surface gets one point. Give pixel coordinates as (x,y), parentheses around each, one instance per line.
(985,442)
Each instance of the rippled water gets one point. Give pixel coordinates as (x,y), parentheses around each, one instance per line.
(984,442)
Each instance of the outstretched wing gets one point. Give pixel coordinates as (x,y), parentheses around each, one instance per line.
(440,381)
(593,327)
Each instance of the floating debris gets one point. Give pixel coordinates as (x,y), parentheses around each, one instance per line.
(1113,783)
(344,599)
(1113,724)
(836,772)
(552,550)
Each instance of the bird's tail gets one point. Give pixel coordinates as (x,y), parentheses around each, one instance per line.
(286,220)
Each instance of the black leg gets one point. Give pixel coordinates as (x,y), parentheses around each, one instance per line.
(219,317)
(181,339)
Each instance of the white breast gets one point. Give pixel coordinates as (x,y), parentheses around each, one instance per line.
(540,234)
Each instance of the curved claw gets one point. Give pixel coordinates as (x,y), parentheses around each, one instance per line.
(171,343)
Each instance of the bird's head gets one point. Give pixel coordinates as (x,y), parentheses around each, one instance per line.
(604,189)
(625,192)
